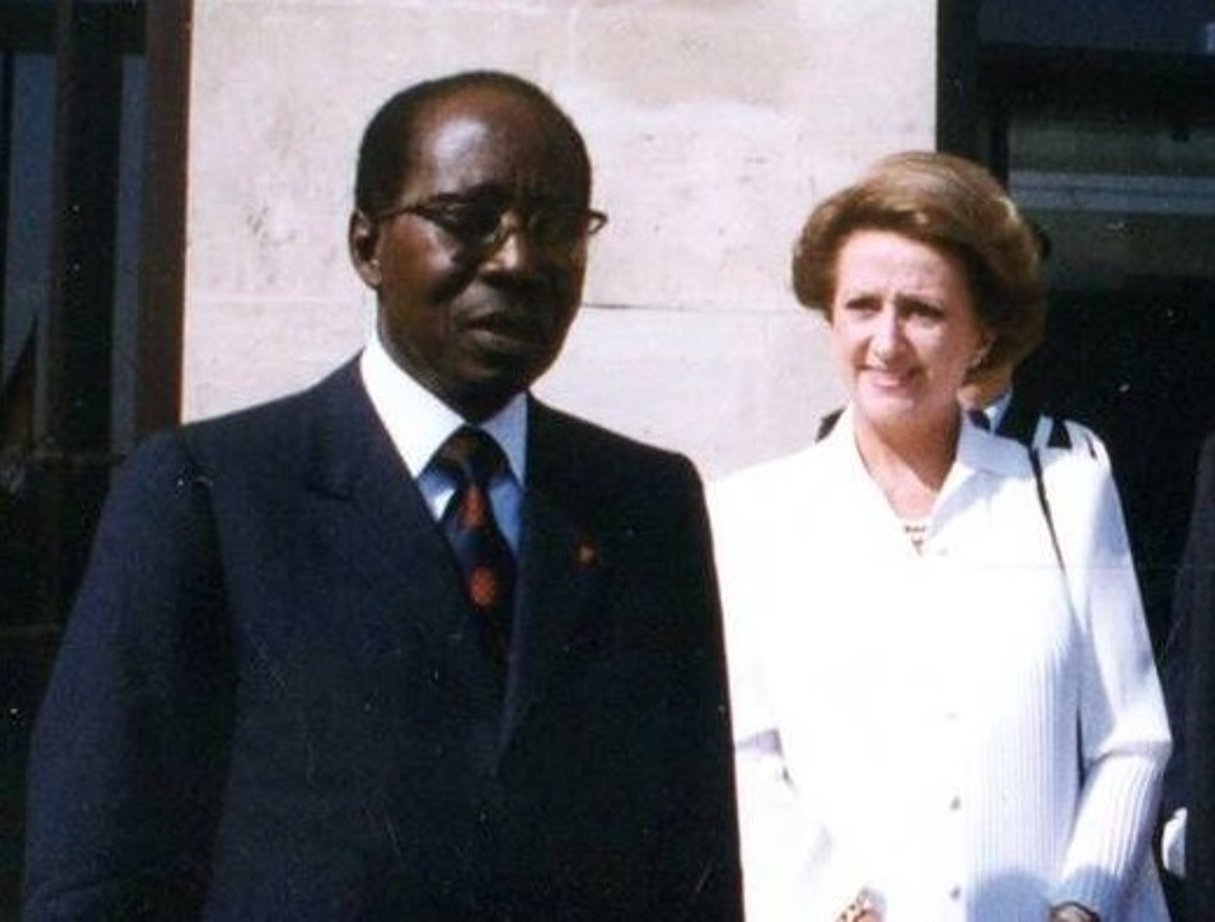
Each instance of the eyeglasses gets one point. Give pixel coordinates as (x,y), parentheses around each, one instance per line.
(480,227)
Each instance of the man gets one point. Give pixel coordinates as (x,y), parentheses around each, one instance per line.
(995,405)
(409,645)
(1188,846)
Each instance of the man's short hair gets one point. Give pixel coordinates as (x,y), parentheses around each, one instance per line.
(387,148)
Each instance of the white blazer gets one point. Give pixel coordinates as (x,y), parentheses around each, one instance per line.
(966,733)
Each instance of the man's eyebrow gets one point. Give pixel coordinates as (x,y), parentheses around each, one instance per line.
(481,191)
(497,193)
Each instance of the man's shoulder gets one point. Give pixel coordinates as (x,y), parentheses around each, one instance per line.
(277,431)
(604,476)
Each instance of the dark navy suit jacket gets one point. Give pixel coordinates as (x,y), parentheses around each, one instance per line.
(270,701)
(1189,684)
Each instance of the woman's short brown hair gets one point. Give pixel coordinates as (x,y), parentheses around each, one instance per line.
(948,203)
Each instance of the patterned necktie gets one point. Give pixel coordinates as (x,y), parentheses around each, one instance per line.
(472,458)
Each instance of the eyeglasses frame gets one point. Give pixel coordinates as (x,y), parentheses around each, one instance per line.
(428,210)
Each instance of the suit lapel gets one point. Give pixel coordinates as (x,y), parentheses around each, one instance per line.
(381,522)
(562,561)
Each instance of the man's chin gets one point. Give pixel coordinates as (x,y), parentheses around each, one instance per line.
(489,350)
(490,384)
(499,360)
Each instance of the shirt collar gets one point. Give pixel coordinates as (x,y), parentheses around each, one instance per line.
(978,450)
(418,422)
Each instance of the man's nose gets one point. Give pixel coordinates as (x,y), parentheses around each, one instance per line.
(512,249)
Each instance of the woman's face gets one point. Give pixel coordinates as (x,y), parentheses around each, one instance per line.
(904,329)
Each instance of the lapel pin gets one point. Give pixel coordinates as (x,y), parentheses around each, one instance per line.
(585,553)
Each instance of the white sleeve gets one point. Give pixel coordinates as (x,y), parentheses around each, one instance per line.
(781,846)
(1123,727)
(1086,444)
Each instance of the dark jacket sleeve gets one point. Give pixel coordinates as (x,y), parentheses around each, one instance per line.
(1189,680)
(130,742)
(720,895)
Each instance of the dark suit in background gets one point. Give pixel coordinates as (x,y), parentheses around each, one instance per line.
(274,699)
(1189,684)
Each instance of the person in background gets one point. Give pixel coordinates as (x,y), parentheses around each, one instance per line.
(1188,840)
(409,644)
(945,704)
(997,406)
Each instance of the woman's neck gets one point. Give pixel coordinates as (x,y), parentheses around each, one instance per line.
(909,464)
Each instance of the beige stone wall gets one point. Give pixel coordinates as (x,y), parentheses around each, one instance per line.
(713,124)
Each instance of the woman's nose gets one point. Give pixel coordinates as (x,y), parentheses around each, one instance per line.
(887,336)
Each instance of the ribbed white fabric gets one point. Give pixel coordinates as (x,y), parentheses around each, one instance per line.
(962,732)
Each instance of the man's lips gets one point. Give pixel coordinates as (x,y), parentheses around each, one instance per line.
(507,330)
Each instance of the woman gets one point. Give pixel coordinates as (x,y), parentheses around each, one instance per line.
(945,705)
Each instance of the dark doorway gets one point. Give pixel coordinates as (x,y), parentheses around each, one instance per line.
(1113,155)
(1101,120)
(92,103)
(1102,123)
(1136,366)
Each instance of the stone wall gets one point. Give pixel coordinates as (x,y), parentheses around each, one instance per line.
(713,124)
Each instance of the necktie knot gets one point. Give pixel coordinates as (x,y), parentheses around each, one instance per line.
(471,456)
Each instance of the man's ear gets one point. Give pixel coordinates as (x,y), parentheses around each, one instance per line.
(987,340)
(363,237)
(980,356)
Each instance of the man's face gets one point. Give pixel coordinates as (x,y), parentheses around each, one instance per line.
(475,323)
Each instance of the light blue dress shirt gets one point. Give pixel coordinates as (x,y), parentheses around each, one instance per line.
(419,423)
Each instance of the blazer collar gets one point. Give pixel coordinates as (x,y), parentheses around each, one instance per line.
(380,520)
(979,452)
(978,449)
